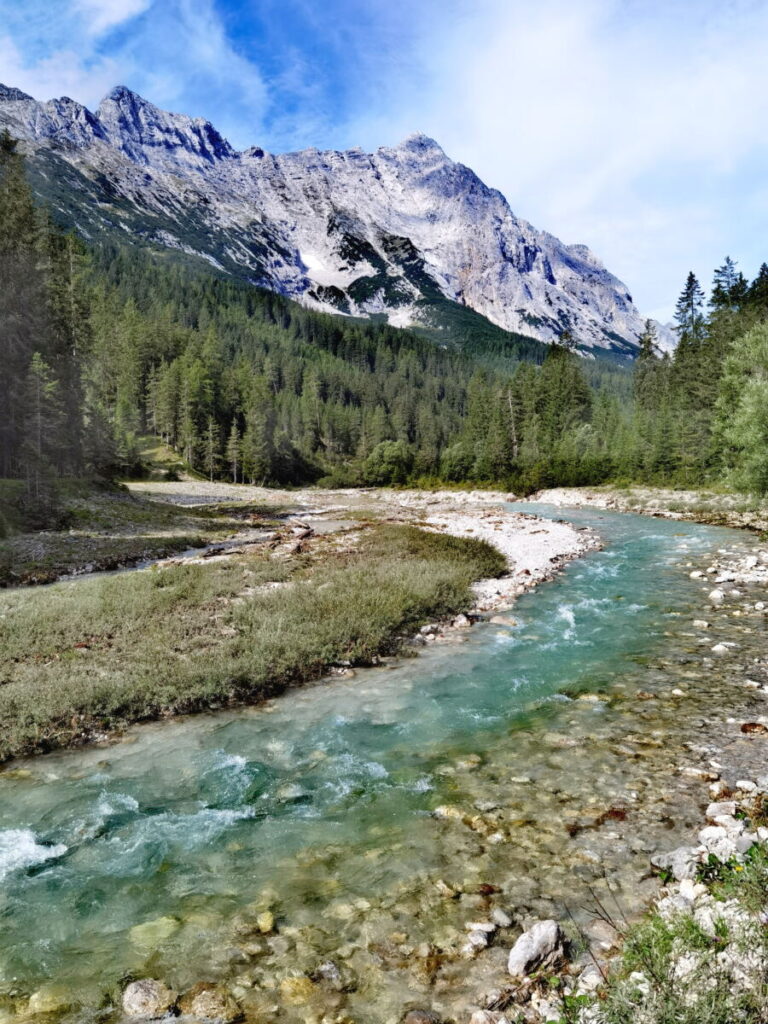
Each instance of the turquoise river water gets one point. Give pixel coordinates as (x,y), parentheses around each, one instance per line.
(155,855)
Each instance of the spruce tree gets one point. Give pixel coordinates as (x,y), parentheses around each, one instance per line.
(211,448)
(44,418)
(234,447)
(729,286)
(757,293)
(689,320)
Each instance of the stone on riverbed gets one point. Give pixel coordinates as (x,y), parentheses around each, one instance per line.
(297,991)
(209,1002)
(266,922)
(152,934)
(714,810)
(148,998)
(726,843)
(488,1017)
(49,999)
(421,1017)
(541,946)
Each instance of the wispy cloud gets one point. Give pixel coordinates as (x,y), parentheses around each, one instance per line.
(175,52)
(99,16)
(633,127)
(60,73)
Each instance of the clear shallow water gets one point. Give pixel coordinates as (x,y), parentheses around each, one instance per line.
(138,857)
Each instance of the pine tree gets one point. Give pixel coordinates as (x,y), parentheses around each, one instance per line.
(43,424)
(646,371)
(234,449)
(757,293)
(211,447)
(729,286)
(647,342)
(688,312)
(22,299)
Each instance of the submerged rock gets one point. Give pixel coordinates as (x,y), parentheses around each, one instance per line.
(210,1002)
(266,922)
(488,1017)
(151,934)
(148,998)
(297,991)
(421,1017)
(49,999)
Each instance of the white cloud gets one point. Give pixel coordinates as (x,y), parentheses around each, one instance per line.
(62,73)
(100,16)
(178,54)
(628,126)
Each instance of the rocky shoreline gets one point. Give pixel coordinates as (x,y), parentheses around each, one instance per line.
(739,512)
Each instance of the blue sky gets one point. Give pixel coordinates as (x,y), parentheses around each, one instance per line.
(634,126)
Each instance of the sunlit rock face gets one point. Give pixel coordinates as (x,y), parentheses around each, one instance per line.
(395,232)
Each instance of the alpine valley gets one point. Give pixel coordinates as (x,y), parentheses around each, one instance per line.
(404,235)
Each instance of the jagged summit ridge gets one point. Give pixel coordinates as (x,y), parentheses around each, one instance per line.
(151,136)
(392,232)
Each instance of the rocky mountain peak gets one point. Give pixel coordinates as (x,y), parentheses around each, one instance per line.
(418,142)
(154,137)
(394,233)
(8,94)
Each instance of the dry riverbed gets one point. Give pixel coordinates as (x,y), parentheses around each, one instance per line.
(534,548)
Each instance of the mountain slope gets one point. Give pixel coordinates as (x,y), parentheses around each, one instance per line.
(396,234)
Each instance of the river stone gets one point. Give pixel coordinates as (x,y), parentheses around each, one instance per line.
(152,934)
(501,918)
(540,946)
(49,999)
(297,991)
(148,998)
(421,1017)
(716,597)
(209,1002)
(681,863)
(715,810)
(266,922)
(718,842)
(488,1017)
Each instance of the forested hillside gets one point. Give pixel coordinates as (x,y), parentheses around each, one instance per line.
(102,345)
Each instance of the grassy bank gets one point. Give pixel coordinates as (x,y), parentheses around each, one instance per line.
(81,659)
(105,528)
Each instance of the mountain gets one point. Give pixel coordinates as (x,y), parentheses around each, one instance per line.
(403,234)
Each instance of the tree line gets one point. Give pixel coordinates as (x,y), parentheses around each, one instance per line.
(105,344)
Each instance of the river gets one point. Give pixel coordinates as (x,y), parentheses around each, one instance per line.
(155,856)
